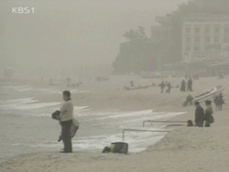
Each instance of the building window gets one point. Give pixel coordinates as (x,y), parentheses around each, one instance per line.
(207,47)
(197,30)
(188,30)
(188,48)
(188,39)
(196,48)
(216,39)
(217,29)
(197,39)
(207,39)
(207,29)
(226,39)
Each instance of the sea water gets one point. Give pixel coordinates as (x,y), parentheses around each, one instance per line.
(27,126)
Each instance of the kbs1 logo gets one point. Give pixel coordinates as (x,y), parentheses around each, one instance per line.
(23,10)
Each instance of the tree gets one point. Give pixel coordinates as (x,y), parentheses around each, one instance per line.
(136,54)
(140,53)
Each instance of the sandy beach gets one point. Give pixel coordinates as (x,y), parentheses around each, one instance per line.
(181,150)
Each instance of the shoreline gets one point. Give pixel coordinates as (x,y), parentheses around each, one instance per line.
(178,144)
(184,149)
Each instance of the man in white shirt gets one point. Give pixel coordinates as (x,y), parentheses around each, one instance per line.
(66,116)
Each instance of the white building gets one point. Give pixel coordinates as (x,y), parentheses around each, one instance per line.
(205,37)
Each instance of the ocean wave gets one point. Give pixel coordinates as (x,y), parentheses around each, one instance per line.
(138,141)
(36,106)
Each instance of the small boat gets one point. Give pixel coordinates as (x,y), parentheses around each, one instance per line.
(209,94)
(136,88)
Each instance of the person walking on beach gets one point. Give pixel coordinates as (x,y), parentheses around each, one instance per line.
(199,115)
(66,116)
(189,85)
(216,101)
(220,102)
(131,83)
(183,85)
(169,87)
(162,85)
(208,114)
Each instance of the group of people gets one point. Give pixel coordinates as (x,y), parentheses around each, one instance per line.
(204,117)
(102,78)
(189,85)
(219,101)
(70,83)
(163,85)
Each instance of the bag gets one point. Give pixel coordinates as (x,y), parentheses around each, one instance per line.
(74,127)
(56,115)
(118,147)
(190,123)
(211,119)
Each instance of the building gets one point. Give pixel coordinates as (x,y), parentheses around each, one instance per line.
(205,37)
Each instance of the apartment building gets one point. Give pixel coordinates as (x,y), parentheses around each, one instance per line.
(205,37)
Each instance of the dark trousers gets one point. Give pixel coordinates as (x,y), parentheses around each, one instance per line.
(207,124)
(199,123)
(220,107)
(66,135)
(162,90)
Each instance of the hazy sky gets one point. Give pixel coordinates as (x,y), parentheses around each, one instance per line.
(71,33)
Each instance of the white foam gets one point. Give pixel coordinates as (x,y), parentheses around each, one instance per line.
(25,100)
(13,104)
(114,122)
(80,108)
(49,91)
(21,88)
(79,91)
(36,105)
(127,114)
(26,104)
(57,91)
(137,142)
(96,114)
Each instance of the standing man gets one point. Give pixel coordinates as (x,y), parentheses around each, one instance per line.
(191,83)
(221,102)
(183,85)
(199,115)
(208,114)
(66,116)
(131,83)
(169,87)
(162,85)
(216,101)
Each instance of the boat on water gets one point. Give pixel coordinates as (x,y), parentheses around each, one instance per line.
(136,88)
(209,94)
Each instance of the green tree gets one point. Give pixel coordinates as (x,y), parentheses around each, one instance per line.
(136,54)
(140,53)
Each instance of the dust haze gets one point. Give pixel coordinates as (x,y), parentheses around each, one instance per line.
(66,37)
